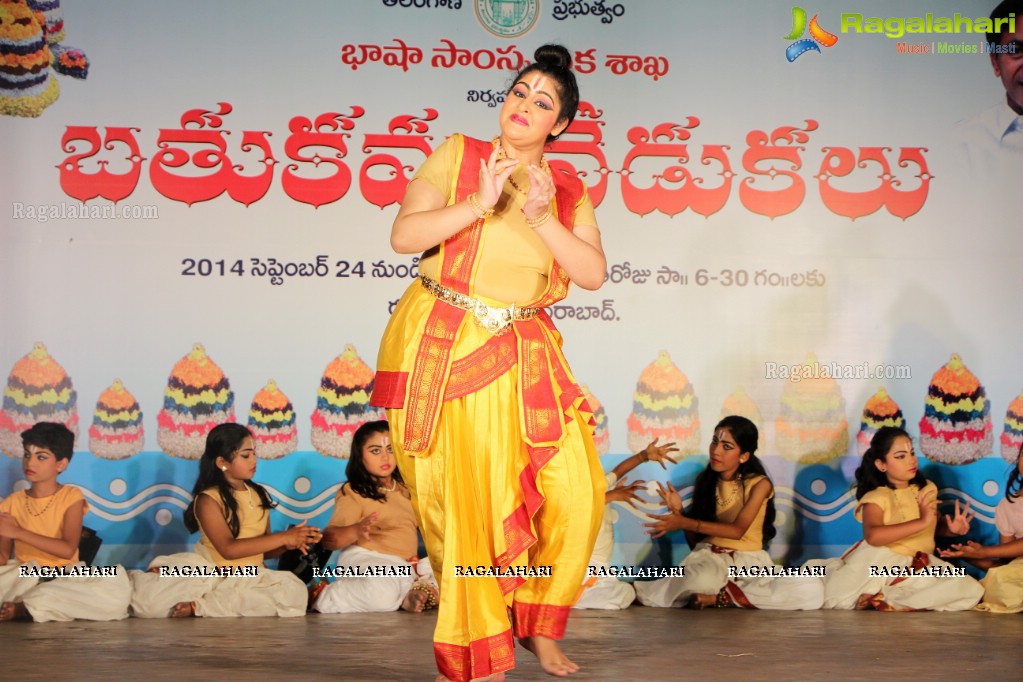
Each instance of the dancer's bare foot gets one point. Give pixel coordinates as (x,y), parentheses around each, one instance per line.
(496,677)
(414,601)
(10,610)
(865,602)
(184,609)
(552,659)
(419,599)
(703,601)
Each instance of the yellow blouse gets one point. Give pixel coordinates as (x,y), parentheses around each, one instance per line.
(252,520)
(900,505)
(729,504)
(43,516)
(513,263)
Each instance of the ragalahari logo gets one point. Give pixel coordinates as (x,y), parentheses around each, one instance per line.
(818,36)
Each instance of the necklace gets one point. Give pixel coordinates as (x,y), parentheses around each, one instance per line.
(33,512)
(502,155)
(514,184)
(726,503)
(394,486)
(252,505)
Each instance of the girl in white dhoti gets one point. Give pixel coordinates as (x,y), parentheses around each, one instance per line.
(40,528)
(729,523)
(1003,584)
(225,576)
(894,568)
(374,526)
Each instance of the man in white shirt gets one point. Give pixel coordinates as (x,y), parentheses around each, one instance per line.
(993,139)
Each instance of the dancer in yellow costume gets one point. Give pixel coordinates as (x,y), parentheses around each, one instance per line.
(491,430)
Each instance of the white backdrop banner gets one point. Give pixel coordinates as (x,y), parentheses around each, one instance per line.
(807,216)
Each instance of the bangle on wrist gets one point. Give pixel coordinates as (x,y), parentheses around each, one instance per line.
(698,524)
(477,209)
(534,223)
(643,457)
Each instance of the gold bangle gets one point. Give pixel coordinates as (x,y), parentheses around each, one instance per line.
(477,209)
(534,223)
(698,524)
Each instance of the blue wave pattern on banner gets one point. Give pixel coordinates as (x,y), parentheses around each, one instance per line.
(136,504)
(117,512)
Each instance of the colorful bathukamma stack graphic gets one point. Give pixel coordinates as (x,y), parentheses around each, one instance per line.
(67,60)
(956,426)
(38,390)
(198,397)
(272,422)
(342,404)
(664,406)
(27,84)
(600,435)
(116,431)
(739,403)
(1012,435)
(879,411)
(811,427)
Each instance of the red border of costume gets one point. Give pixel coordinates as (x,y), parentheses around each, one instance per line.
(482,657)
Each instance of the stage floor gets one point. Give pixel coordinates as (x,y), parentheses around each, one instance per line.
(639,643)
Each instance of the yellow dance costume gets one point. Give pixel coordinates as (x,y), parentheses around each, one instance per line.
(490,429)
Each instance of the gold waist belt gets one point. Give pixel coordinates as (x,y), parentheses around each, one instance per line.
(494,319)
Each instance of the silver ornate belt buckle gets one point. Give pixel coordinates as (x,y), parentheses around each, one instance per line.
(494,320)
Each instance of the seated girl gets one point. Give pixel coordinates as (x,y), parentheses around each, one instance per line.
(729,523)
(225,576)
(894,568)
(607,591)
(1003,584)
(375,528)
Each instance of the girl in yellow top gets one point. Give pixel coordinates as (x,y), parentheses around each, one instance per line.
(40,528)
(894,568)
(232,514)
(729,522)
